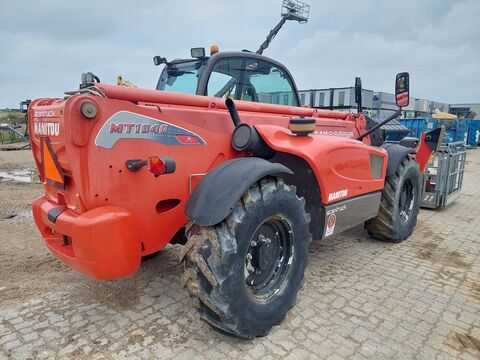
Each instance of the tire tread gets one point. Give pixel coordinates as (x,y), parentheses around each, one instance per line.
(213,305)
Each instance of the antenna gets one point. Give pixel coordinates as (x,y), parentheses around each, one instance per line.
(291,10)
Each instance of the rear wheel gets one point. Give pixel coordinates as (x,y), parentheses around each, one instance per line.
(400,204)
(244,273)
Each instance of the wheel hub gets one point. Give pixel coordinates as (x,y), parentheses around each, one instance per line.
(266,262)
(266,256)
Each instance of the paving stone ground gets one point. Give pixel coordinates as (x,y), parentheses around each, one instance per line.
(362,298)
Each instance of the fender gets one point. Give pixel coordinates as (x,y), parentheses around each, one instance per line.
(344,168)
(214,197)
(396,153)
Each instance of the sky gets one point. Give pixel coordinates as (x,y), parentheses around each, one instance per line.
(45,45)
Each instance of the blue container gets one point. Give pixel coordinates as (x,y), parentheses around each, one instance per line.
(462,130)
(395,131)
(455,129)
(416,126)
(473,137)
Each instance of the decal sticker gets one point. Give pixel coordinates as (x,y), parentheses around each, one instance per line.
(337,209)
(187,139)
(128,125)
(331,220)
(44,113)
(340,133)
(46,128)
(337,195)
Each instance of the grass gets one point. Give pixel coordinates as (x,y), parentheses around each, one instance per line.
(12,116)
(9,118)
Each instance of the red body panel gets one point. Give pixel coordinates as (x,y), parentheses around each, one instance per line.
(423,153)
(152,208)
(102,243)
(338,163)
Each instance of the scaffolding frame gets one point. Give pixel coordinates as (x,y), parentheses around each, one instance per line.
(443,177)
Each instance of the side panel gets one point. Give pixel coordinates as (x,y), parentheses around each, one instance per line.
(348,213)
(344,168)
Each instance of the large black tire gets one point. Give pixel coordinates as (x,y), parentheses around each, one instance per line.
(400,204)
(218,260)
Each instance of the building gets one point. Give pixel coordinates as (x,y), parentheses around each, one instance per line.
(378,105)
(464,110)
(384,105)
(335,99)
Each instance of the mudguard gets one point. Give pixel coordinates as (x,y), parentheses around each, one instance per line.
(396,153)
(214,197)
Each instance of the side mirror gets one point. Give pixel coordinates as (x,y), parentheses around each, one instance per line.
(402,89)
(358,94)
(158,60)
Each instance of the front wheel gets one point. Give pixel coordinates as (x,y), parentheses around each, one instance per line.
(399,205)
(244,273)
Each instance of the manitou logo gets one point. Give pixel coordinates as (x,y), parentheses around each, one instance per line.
(129,128)
(337,195)
(46,128)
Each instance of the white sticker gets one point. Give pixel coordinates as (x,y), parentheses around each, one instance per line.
(46,128)
(331,220)
(337,194)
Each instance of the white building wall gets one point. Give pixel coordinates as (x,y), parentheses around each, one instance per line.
(318,97)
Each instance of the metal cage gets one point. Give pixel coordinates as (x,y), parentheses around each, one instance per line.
(443,178)
(295,10)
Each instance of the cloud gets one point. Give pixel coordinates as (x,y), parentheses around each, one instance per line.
(45,46)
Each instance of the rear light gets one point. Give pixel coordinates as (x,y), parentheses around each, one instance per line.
(157,165)
(160,165)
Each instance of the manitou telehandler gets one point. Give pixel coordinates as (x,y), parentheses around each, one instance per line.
(220,158)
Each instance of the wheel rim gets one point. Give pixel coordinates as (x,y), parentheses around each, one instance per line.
(407,200)
(269,257)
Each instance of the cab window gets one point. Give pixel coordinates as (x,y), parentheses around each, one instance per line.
(224,78)
(270,83)
(181,77)
(251,80)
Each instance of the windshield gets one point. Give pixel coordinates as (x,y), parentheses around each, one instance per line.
(181,77)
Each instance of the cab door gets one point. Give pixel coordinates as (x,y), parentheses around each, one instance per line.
(248,77)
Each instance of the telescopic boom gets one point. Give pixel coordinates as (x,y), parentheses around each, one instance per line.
(291,10)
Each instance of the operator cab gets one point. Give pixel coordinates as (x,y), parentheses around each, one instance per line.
(238,75)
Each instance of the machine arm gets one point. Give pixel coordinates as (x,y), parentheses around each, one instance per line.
(270,36)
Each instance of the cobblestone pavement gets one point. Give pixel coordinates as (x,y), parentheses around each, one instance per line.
(361,298)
